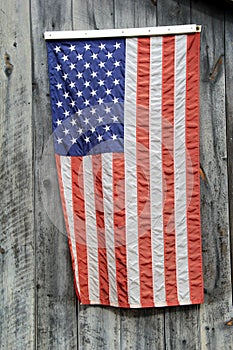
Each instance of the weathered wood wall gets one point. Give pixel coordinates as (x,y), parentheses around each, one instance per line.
(38,306)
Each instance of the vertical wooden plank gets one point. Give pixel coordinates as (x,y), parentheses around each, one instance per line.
(173,12)
(229,113)
(129,14)
(182,329)
(140,329)
(98,326)
(214,195)
(56,299)
(94,321)
(91,14)
(17,256)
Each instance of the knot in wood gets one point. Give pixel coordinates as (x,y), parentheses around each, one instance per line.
(2,250)
(8,65)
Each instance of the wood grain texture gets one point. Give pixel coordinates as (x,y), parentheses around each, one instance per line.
(38,305)
(17,257)
(214,192)
(173,12)
(229,114)
(134,13)
(182,328)
(56,300)
(142,329)
(90,14)
(98,327)
(139,329)
(179,334)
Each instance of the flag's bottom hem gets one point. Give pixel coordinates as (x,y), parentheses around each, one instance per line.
(144,305)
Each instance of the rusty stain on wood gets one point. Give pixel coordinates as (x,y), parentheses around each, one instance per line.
(202,174)
(213,75)
(229,323)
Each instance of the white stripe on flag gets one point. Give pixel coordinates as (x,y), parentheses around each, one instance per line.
(180,171)
(66,177)
(107,178)
(131,209)
(156,176)
(91,230)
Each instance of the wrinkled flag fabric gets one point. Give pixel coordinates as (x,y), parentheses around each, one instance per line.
(125,114)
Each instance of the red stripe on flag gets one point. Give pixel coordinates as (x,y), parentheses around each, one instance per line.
(119,228)
(99,207)
(168,169)
(193,179)
(61,187)
(80,226)
(143,173)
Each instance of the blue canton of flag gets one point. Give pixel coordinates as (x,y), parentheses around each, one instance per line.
(87,79)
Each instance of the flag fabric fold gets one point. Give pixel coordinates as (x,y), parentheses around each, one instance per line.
(125,115)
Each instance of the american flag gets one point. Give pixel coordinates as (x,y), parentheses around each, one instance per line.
(125,114)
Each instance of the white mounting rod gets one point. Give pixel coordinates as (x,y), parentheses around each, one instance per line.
(128,32)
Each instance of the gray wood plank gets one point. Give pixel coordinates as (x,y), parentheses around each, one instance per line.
(140,329)
(182,328)
(92,14)
(173,12)
(17,282)
(214,209)
(134,13)
(229,114)
(36,253)
(56,299)
(98,326)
